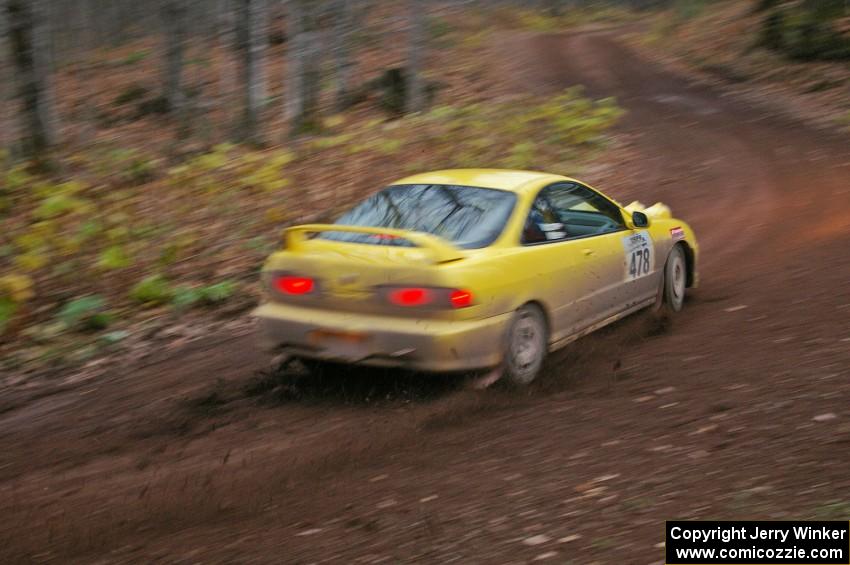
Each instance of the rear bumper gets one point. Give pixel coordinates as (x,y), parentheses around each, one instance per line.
(423,345)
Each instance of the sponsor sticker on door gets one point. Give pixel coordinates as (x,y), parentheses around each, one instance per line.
(640,258)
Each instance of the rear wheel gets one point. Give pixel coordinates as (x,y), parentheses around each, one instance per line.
(317,367)
(526,345)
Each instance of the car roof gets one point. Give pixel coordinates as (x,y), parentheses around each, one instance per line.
(502,179)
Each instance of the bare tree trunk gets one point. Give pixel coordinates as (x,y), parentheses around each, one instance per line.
(85,33)
(556,8)
(6,132)
(262,26)
(29,45)
(226,44)
(252,42)
(342,49)
(303,68)
(415,56)
(174,20)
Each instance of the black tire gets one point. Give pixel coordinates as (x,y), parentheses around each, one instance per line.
(526,345)
(318,368)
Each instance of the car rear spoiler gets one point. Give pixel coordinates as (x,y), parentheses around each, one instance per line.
(441,250)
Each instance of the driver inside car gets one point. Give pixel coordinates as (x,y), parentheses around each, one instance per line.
(543,224)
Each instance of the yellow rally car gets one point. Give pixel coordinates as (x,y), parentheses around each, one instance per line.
(471,269)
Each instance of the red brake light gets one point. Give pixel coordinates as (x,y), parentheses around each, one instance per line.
(294,285)
(410,296)
(431,297)
(460,298)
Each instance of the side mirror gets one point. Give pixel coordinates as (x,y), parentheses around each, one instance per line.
(640,220)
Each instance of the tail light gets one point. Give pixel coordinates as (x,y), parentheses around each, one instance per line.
(460,298)
(411,296)
(294,285)
(428,297)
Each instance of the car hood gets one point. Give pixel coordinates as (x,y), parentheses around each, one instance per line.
(658,211)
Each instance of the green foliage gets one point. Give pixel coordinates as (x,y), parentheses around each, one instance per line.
(136,57)
(773,31)
(87,313)
(8,308)
(389,146)
(330,141)
(834,510)
(140,171)
(223,167)
(439,31)
(57,205)
(17,178)
(187,296)
(127,166)
(132,93)
(764,5)
(153,290)
(554,20)
(689,9)
(521,156)
(14,291)
(517,133)
(805,32)
(536,20)
(826,9)
(90,228)
(34,246)
(113,257)
(218,292)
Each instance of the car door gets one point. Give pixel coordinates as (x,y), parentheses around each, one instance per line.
(583,236)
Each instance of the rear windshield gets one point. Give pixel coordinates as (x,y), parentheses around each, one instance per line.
(469,217)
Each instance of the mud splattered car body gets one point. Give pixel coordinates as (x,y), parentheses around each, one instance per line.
(429,273)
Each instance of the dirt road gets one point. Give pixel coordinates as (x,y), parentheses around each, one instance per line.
(740,412)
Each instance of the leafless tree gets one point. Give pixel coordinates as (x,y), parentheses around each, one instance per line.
(174,14)
(303,67)
(28,36)
(6,124)
(226,43)
(415,57)
(556,8)
(252,43)
(343,34)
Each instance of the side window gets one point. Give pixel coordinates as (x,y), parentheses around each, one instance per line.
(570,210)
(543,223)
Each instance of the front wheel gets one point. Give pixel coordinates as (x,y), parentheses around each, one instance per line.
(671,292)
(526,345)
(675,279)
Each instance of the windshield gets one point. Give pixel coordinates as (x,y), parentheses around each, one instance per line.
(469,217)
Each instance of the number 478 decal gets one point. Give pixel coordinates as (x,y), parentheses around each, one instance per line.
(639,255)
